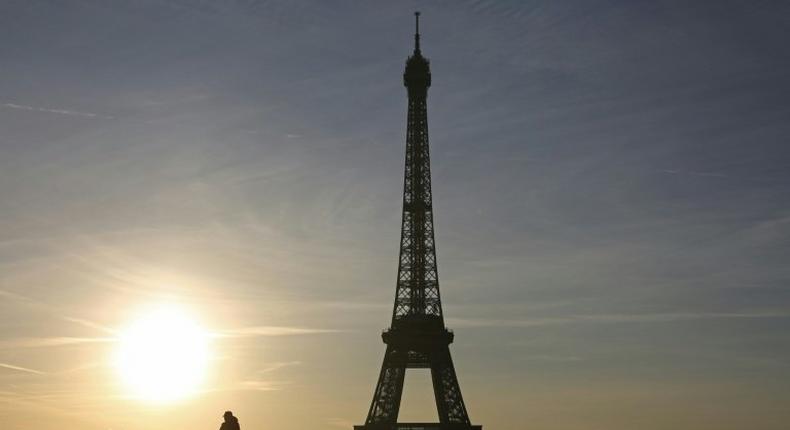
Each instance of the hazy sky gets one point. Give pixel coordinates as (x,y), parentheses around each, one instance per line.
(611,191)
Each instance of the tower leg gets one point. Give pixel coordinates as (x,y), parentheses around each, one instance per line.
(386,399)
(449,402)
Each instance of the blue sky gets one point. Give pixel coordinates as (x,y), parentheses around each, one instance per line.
(610,190)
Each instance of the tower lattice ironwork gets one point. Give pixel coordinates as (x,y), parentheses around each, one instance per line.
(417,337)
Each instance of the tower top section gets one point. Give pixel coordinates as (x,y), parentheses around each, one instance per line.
(417,32)
(417,77)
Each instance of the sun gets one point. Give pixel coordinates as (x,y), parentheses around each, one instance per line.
(162,356)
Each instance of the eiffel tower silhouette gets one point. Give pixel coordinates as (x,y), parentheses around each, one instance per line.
(417,338)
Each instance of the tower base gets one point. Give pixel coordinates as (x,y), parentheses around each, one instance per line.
(418,426)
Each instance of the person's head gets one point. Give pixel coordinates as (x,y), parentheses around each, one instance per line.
(228,415)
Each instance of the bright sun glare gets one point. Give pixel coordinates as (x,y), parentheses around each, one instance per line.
(163,355)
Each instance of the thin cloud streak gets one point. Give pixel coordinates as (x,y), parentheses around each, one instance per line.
(693,173)
(21,369)
(609,319)
(18,298)
(277,366)
(259,385)
(272,331)
(90,324)
(55,111)
(44,342)
(250,385)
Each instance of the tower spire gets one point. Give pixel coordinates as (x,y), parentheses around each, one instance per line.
(417,32)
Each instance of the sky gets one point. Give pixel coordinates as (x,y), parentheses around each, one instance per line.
(611,204)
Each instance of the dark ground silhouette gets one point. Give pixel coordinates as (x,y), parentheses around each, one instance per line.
(230,423)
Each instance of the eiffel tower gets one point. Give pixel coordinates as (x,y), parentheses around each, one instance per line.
(417,338)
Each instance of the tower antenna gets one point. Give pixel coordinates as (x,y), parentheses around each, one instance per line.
(417,32)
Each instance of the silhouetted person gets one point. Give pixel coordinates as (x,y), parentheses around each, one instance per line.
(231,422)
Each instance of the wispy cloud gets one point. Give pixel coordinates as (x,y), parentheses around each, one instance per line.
(555,358)
(272,331)
(251,385)
(17,297)
(34,303)
(90,324)
(611,319)
(82,367)
(21,369)
(279,365)
(43,342)
(27,401)
(693,173)
(261,385)
(257,382)
(55,111)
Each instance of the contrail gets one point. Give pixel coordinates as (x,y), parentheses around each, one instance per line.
(21,369)
(56,111)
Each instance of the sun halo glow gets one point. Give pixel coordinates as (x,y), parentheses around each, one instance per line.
(162,356)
